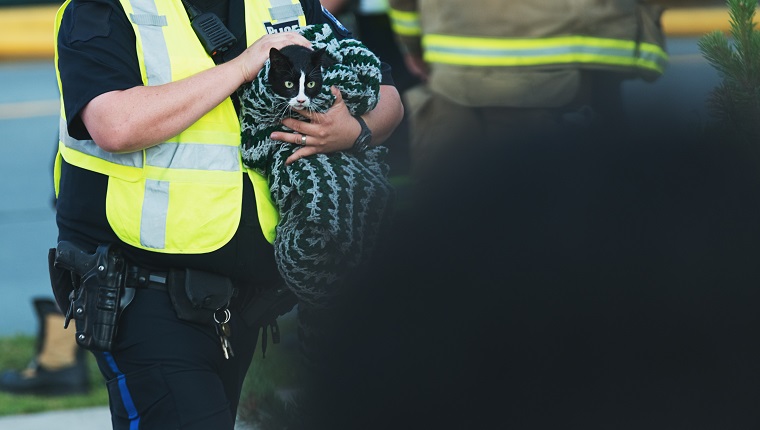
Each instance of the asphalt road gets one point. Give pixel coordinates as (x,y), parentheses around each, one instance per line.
(28,132)
(28,129)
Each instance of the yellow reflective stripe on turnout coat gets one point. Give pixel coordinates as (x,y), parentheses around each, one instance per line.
(184,195)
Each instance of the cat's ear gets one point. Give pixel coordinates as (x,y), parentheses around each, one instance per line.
(320,58)
(278,59)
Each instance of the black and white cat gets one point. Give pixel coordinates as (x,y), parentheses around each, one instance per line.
(333,206)
(295,73)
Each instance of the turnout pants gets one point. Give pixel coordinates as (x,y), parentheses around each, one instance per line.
(443,130)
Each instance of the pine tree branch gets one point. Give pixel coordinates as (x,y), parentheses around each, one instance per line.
(735,103)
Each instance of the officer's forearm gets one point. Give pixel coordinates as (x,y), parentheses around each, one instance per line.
(386,116)
(140,117)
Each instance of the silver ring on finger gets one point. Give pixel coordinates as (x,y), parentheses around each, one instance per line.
(303,139)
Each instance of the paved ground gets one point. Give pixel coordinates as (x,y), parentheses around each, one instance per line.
(79,419)
(28,134)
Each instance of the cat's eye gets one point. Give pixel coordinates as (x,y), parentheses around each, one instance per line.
(311,84)
(289,84)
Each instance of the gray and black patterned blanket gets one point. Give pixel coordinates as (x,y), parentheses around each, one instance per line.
(333,207)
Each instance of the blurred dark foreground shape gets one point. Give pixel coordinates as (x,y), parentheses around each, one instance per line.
(580,279)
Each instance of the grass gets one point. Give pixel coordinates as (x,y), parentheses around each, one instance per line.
(269,379)
(17,351)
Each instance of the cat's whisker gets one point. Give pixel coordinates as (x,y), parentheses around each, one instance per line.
(283,109)
(316,118)
(289,111)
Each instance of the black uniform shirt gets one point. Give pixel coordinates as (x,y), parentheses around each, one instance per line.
(97,54)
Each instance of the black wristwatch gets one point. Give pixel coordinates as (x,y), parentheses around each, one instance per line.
(365,137)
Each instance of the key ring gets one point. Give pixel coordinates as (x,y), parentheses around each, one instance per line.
(227,315)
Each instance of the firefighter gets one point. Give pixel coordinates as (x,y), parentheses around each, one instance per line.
(494,68)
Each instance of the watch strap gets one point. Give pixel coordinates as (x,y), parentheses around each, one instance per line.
(361,143)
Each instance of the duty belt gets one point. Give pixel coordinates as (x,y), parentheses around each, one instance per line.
(138,277)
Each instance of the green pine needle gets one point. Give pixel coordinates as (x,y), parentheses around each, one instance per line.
(735,103)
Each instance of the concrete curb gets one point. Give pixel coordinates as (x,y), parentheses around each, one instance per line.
(26,32)
(97,418)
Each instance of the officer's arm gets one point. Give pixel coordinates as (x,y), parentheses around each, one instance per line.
(386,116)
(334,6)
(143,116)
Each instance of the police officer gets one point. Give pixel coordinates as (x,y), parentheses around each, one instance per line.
(148,162)
(494,67)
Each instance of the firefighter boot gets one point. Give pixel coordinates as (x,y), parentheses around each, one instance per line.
(60,365)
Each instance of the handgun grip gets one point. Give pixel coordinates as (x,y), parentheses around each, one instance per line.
(70,257)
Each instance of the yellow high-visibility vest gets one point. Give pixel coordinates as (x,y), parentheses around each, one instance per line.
(184,195)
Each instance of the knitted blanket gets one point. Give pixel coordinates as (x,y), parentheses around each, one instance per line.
(332,206)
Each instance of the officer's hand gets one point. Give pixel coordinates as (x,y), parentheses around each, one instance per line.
(334,130)
(252,59)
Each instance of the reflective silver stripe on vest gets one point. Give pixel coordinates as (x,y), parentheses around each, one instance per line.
(154,210)
(169,155)
(284,10)
(156,54)
(285,13)
(133,159)
(143,19)
(194,156)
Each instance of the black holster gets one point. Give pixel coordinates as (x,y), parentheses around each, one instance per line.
(96,292)
(268,305)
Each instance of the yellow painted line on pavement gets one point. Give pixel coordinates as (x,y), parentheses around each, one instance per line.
(30,109)
(695,21)
(27,31)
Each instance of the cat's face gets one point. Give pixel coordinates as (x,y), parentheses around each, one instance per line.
(295,73)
